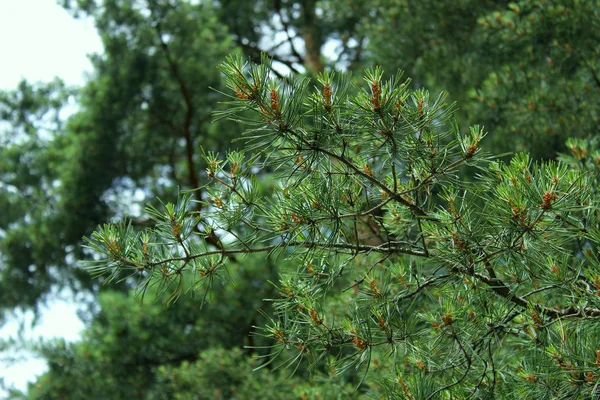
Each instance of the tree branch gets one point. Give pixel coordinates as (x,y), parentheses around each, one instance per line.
(384,248)
(193,180)
(504,291)
(189,111)
(277,6)
(396,196)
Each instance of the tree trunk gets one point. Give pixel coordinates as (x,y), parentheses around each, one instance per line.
(311,33)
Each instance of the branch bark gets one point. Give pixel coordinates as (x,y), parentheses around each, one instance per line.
(193,180)
(312,37)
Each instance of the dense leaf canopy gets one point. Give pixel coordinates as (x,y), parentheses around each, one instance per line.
(393,250)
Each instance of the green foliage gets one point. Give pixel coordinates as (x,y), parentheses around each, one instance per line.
(137,129)
(121,352)
(527,70)
(476,288)
(544,84)
(133,350)
(393,275)
(28,178)
(221,374)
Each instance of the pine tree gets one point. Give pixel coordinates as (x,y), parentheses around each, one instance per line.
(525,69)
(472,288)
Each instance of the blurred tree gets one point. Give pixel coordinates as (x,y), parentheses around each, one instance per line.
(140,121)
(527,70)
(137,132)
(543,85)
(294,33)
(134,351)
(31,118)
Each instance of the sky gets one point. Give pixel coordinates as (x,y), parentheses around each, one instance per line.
(39,40)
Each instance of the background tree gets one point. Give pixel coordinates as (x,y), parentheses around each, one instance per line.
(186,351)
(30,116)
(524,69)
(142,118)
(141,121)
(294,33)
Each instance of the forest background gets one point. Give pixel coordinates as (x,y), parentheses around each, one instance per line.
(525,70)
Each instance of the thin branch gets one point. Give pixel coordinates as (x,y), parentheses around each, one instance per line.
(266,249)
(595,76)
(396,196)
(277,6)
(422,286)
(254,54)
(189,109)
(193,180)
(504,291)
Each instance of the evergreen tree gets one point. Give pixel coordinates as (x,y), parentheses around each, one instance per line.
(527,70)
(30,118)
(142,119)
(351,201)
(457,289)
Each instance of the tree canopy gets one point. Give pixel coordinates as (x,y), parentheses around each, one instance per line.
(304,209)
(476,286)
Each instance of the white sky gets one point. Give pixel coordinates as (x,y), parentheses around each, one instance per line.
(39,41)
